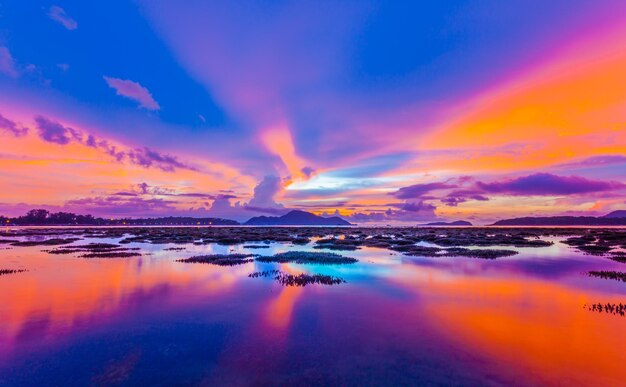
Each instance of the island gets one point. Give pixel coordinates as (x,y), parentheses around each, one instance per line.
(297,218)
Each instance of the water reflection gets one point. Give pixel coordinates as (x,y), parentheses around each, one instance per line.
(397,319)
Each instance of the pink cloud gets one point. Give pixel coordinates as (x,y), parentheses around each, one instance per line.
(7,64)
(59,15)
(134,91)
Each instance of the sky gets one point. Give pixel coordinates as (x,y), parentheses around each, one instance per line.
(382,112)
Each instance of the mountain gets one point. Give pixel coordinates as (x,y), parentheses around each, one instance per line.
(455,223)
(616,214)
(563,221)
(43,217)
(296,218)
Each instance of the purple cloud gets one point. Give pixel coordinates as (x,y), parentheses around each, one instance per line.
(264,194)
(12,127)
(121,205)
(549,184)
(262,202)
(308,171)
(59,15)
(55,132)
(457,197)
(134,91)
(52,131)
(406,212)
(418,190)
(146,157)
(596,161)
(7,64)
(146,189)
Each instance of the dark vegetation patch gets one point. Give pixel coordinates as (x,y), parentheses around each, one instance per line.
(112,254)
(618,256)
(220,259)
(434,252)
(308,257)
(446,242)
(347,244)
(47,242)
(256,246)
(265,273)
(607,274)
(97,250)
(63,251)
(174,249)
(479,253)
(302,279)
(600,242)
(11,271)
(615,309)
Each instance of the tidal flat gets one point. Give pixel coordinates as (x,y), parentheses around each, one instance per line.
(312,305)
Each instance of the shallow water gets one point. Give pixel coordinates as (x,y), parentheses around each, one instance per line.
(397,320)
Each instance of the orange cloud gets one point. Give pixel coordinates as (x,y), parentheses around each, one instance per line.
(279,142)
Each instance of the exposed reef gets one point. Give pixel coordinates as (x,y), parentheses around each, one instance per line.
(600,242)
(97,250)
(220,259)
(112,254)
(471,242)
(615,309)
(302,279)
(11,271)
(308,257)
(607,274)
(47,242)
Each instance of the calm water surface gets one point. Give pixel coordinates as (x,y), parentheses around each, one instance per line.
(398,320)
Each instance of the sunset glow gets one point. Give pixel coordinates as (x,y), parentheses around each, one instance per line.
(303,101)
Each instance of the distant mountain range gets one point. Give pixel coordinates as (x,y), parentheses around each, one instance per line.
(615,218)
(455,223)
(297,218)
(42,217)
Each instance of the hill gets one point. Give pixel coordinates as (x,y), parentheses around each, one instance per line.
(562,221)
(296,218)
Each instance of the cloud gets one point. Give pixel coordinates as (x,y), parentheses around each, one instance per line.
(7,64)
(262,202)
(134,91)
(406,212)
(12,127)
(457,197)
(59,15)
(596,161)
(54,132)
(222,208)
(308,171)
(418,190)
(265,192)
(147,157)
(548,184)
(146,189)
(120,205)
